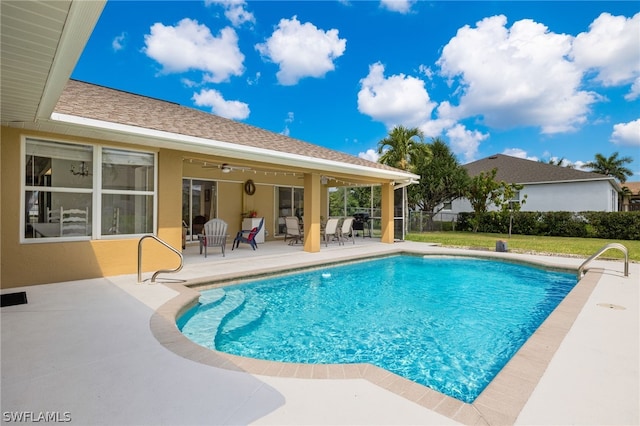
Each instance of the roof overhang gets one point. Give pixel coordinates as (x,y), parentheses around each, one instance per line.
(41,43)
(81,126)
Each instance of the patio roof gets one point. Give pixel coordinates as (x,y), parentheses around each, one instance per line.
(97,111)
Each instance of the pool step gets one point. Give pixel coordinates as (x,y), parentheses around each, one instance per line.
(213,295)
(252,310)
(203,328)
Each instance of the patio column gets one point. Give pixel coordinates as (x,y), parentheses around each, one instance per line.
(312,192)
(387,213)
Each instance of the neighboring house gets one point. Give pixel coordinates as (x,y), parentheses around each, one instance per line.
(86,170)
(631,201)
(547,187)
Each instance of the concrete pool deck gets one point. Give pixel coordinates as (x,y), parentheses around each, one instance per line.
(95,350)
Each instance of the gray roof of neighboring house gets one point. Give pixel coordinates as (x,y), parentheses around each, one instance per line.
(519,170)
(110,105)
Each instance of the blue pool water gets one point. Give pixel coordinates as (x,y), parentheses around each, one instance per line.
(448,323)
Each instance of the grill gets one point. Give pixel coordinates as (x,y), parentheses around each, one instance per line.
(361,222)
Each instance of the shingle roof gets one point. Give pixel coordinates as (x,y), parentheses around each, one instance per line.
(634,187)
(110,105)
(519,170)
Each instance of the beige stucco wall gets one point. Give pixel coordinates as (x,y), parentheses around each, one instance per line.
(37,263)
(32,263)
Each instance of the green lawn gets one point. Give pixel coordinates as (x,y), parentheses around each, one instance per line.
(582,247)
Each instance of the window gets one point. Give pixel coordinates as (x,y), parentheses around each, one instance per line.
(77,191)
(447,205)
(128,185)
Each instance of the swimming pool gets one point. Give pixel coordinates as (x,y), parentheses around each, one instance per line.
(448,323)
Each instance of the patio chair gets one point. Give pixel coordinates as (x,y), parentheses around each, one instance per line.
(250,236)
(346,230)
(330,230)
(293,230)
(215,235)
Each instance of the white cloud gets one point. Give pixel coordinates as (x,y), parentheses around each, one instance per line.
(191,46)
(519,153)
(234,110)
(426,71)
(611,47)
(255,80)
(634,93)
(626,133)
(188,82)
(465,142)
(370,154)
(401,6)
(118,42)
(434,128)
(234,10)
(398,99)
(518,76)
(302,50)
(289,119)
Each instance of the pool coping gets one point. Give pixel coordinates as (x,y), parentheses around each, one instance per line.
(500,402)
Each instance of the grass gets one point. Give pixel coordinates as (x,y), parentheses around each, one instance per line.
(562,246)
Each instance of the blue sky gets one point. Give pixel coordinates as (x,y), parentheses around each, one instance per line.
(536,80)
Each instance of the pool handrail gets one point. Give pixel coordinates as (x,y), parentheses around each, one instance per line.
(597,254)
(155,274)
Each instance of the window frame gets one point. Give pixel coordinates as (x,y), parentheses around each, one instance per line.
(95,190)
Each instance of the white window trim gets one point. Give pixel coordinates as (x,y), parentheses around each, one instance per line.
(96,191)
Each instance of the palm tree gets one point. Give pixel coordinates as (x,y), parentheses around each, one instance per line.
(559,162)
(612,166)
(404,148)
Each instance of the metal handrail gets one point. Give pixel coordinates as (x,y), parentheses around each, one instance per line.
(155,275)
(618,246)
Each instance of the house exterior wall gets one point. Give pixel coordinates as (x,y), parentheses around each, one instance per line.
(571,196)
(36,263)
(562,196)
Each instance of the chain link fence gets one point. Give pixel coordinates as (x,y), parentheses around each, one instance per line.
(422,222)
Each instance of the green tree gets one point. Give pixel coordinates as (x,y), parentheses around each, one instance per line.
(483,191)
(559,162)
(357,199)
(402,148)
(507,200)
(611,166)
(442,179)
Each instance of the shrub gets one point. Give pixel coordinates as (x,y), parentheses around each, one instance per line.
(607,225)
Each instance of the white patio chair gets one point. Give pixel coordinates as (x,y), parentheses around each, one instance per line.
(293,230)
(215,235)
(346,230)
(330,230)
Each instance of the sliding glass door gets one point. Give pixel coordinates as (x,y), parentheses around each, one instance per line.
(289,202)
(199,205)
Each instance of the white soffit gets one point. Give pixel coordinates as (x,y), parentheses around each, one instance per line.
(41,43)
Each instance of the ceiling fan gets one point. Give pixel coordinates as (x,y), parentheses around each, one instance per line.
(224,167)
